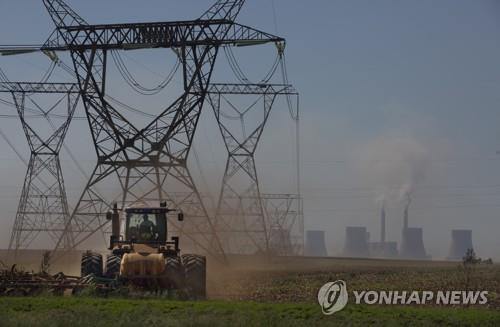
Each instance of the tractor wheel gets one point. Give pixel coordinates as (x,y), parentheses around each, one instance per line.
(113,266)
(174,272)
(195,267)
(91,264)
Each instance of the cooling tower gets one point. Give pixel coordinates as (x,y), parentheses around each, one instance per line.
(315,243)
(412,243)
(356,242)
(461,241)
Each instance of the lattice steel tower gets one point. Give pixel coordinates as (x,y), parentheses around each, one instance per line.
(241,218)
(148,164)
(43,207)
(286,223)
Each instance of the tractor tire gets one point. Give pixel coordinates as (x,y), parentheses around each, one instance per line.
(113,263)
(175,273)
(91,264)
(195,268)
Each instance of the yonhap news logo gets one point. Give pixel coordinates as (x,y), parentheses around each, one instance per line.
(333,297)
(421,297)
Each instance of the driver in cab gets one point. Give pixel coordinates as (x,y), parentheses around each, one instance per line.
(147,229)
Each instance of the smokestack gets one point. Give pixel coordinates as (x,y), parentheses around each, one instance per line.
(356,242)
(383,249)
(412,245)
(382,224)
(407,207)
(461,241)
(315,243)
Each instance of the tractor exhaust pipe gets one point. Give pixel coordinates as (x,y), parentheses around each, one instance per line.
(114,217)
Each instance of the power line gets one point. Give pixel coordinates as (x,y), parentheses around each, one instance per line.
(275,16)
(128,107)
(134,84)
(11,145)
(375,208)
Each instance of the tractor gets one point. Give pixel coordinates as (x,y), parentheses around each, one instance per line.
(142,256)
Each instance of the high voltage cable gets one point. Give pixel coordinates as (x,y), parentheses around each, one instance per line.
(128,107)
(414,209)
(284,73)
(296,118)
(235,67)
(35,112)
(46,76)
(238,71)
(417,196)
(49,72)
(134,84)
(275,16)
(11,145)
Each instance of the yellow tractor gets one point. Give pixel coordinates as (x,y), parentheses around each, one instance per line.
(142,256)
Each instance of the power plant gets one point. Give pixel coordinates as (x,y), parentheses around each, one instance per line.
(156,163)
(356,242)
(315,244)
(461,241)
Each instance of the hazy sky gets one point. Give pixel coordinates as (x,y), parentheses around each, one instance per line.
(395,95)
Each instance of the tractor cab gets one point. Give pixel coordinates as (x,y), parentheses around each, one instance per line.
(145,226)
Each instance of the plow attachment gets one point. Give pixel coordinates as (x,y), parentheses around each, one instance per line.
(15,282)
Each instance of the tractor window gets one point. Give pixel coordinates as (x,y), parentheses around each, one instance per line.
(145,227)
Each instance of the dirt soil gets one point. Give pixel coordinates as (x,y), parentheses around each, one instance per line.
(297,279)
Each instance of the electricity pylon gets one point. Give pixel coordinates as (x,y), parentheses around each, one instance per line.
(147,163)
(241,219)
(43,206)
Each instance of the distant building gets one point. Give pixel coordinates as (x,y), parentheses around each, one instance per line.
(461,241)
(315,243)
(412,244)
(356,242)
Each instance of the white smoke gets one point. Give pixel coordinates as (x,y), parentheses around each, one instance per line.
(394,166)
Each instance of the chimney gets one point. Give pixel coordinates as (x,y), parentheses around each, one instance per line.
(356,242)
(315,243)
(461,241)
(407,207)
